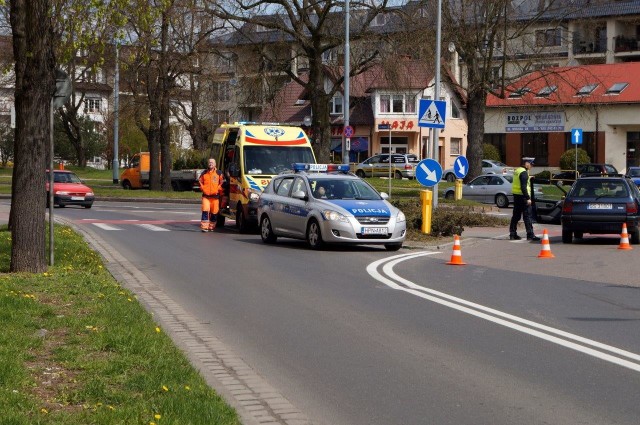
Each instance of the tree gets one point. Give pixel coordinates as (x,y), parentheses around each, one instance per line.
(32,32)
(311,29)
(496,43)
(6,144)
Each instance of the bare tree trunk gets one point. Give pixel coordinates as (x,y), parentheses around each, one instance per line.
(321,123)
(165,142)
(35,85)
(475,116)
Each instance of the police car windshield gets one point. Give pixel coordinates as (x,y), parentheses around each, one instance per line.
(348,188)
(272,160)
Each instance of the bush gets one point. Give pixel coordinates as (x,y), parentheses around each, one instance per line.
(568,159)
(190,159)
(490,152)
(445,221)
(543,175)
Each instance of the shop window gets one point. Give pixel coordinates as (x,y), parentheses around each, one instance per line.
(588,144)
(536,145)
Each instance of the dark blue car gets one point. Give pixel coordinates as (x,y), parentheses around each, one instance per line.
(600,205)
(634,174)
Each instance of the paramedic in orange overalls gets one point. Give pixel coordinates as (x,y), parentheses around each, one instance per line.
(211,184)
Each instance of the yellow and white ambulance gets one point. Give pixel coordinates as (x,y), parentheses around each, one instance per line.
(250,154)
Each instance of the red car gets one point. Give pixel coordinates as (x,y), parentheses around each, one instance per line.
(68,189)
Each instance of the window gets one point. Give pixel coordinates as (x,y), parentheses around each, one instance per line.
(398,103)
(586,90)
(536,145)
(92,105)
(617,88)
(455,146)
(518,93)
(221,91)
(546,91)
(218,117)
(455,112)
(336,104)
(385,103)
(299,185)
(284,186)
(379,20)
(549,37)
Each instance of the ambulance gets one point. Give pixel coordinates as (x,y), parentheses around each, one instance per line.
(250,154)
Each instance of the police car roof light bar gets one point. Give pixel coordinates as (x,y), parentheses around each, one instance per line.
(301,166)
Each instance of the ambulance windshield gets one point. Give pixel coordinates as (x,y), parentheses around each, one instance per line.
(271,160)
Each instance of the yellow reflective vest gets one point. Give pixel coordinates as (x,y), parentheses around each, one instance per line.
(516,186)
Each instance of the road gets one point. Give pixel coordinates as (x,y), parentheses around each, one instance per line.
(363,336)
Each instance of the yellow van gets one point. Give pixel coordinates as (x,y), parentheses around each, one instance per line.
(250,154)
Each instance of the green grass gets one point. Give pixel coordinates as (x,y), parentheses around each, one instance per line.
(77,348)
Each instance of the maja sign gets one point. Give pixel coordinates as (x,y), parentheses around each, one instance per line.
(535,121)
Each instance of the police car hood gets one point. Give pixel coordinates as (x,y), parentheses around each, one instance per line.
(361,208)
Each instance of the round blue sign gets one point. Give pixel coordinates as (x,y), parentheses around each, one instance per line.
(348,131)
(428,172)
(461,167)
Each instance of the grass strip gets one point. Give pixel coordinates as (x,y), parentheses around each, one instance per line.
(77,348)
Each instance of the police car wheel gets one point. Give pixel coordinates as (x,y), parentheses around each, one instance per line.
(314,236)
(266,233)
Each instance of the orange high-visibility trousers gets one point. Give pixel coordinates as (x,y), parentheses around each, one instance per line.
(210,208)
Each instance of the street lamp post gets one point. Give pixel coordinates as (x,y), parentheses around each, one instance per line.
(116,112)
(436,131)
(346,145)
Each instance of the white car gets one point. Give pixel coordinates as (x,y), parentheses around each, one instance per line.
(489,166)
(324,203)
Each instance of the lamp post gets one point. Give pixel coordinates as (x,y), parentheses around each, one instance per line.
(346,146)
(116,112)
(436,131)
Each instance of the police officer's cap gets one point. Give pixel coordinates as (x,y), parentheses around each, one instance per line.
(528,159)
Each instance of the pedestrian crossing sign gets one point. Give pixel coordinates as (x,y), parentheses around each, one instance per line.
(432,113)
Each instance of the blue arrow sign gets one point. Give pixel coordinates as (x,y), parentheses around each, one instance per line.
(432,113)
(576,136)
(461,167)
(428,172)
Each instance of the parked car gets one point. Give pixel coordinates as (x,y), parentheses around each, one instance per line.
(325,206)
(584,169)
(68,189)
(402,165)
(634,174)
(548,201)
(489,166)
(599,205)
(489,189)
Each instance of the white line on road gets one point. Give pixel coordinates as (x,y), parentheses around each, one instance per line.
(104,226)
(153,227)
(483,312)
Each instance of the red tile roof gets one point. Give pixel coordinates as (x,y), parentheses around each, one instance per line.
(569,80)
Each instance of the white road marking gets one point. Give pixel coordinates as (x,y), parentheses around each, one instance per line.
(104,226)
(393,281)
(153,227)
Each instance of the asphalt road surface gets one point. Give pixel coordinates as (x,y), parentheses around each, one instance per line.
(364,336)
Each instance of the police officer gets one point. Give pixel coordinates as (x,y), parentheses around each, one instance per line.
(522,201)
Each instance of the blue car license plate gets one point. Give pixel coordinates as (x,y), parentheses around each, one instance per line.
(374,231)
(599,206)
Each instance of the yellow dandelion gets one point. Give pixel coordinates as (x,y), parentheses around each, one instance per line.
(44,411)
(121,293)
(129,299)
(188,388)
(165,388)
(45,274)
(100,295)
(152,423)
(157,416)
(111,407)
(157,329)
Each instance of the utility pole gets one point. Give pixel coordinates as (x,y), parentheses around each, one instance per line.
(346,142)
(116,112)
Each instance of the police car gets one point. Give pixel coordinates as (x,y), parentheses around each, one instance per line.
(325,203)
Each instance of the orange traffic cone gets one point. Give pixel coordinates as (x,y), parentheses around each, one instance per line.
(624,238)
(545,252)
(456,256)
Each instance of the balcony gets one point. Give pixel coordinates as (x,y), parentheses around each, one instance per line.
(625,44)
(584,46)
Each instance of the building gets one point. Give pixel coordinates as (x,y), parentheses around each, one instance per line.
(537,115)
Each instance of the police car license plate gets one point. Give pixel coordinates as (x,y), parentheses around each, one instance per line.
(77,198)
(599,206)
(374,231)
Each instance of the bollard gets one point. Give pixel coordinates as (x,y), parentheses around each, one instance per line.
(426,198)
(61,165)
(458,190)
